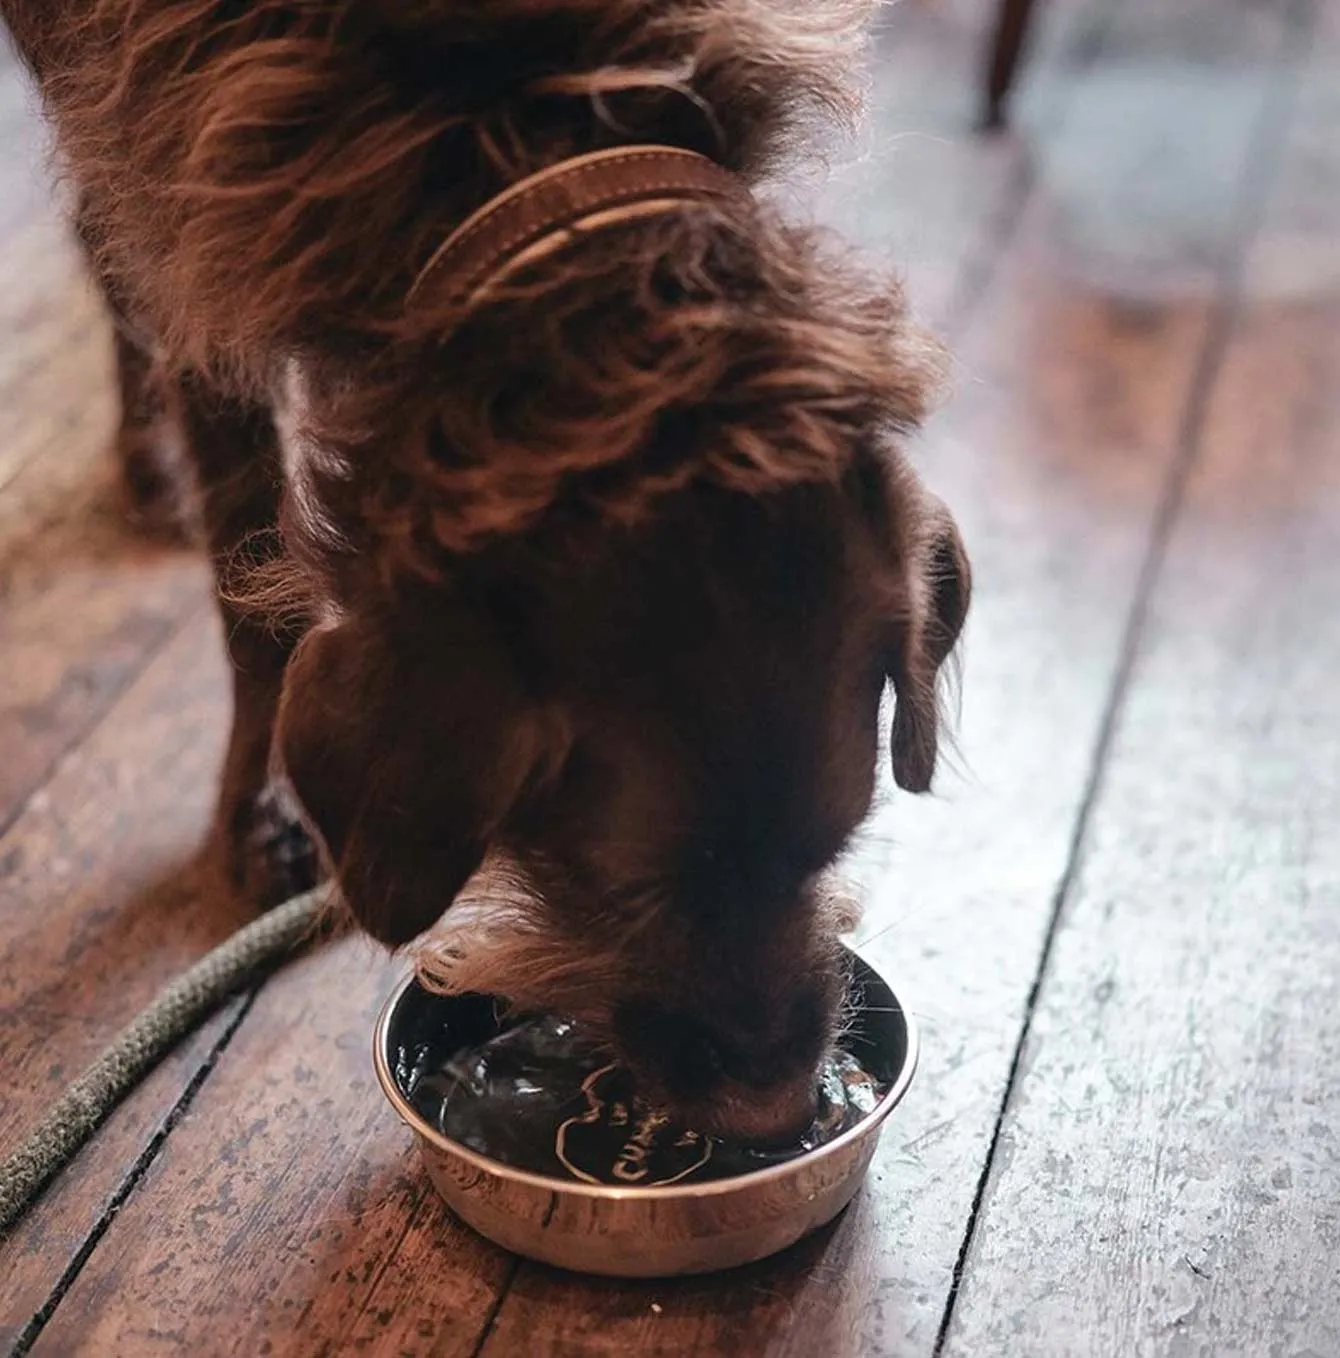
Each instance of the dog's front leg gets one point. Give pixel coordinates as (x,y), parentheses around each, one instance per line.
(234,448)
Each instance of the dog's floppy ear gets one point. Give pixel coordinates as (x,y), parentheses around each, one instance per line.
(939,591)
(407,752)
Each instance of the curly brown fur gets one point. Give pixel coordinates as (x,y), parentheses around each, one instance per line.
(274,175)
(269,180)
(606,573)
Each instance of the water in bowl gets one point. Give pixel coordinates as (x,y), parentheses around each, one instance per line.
(539,1097)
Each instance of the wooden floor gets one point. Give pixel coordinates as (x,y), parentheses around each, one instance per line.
(1119,923)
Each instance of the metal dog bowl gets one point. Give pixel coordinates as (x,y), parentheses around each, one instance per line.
(653,1232)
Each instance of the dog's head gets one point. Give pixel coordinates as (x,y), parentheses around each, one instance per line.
(616,572)
(671,730)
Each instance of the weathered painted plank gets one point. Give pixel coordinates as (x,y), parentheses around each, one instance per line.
(1168,1180)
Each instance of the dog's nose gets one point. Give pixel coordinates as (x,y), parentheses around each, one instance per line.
(765,1120)
(691,1050)
(755,1087)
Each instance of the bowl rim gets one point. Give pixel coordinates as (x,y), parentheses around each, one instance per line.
(712,1188)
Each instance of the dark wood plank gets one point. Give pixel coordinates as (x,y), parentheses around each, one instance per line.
(1056,452)
(287,1209)
(102,902)
(1169,1180)
(49,1247)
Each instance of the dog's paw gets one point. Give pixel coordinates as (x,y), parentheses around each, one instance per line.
(271,856)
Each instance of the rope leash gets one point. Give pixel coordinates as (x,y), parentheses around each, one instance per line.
(178,1008)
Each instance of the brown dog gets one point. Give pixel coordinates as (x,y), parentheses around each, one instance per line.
(604,565)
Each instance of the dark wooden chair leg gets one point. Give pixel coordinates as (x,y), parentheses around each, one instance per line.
(1006,48)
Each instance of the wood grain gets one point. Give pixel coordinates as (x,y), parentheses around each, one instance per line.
(1169,1175)
(286,1212)
(100,903)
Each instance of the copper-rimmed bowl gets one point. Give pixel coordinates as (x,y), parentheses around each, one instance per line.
(653,1232)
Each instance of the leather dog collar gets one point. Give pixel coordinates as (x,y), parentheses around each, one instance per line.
(542,213)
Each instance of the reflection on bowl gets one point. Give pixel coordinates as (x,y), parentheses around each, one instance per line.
(687,1227)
